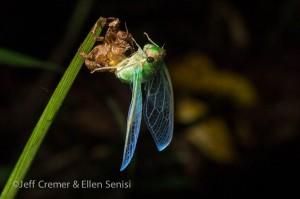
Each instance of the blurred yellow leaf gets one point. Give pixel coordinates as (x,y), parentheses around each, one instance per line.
(197,73)
(212,138)
(188,110)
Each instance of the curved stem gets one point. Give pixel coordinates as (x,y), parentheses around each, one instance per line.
(39,132)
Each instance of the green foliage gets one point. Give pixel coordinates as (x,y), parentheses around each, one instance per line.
(16,59)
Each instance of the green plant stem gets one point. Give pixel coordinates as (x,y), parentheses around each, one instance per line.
(48,115)
(20,60)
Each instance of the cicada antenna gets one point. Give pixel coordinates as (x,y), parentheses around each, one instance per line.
(150,39)
(126,27)
(139,47)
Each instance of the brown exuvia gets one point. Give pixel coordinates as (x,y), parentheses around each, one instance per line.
(115,46)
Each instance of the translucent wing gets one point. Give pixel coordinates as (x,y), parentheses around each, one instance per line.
(159,108)
(133,120)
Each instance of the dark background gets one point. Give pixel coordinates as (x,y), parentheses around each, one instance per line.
(235,69)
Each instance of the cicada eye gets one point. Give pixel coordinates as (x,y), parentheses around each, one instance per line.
(150,59)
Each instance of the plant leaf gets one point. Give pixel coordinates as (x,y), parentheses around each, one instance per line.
(16,59)
(48,115)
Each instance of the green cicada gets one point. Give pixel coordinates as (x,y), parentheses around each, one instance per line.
(146,68)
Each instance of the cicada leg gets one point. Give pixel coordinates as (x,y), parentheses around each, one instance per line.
(89,62)
(103,69)
(85,56)
(99,38)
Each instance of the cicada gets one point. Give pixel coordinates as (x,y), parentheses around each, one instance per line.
(146,71)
